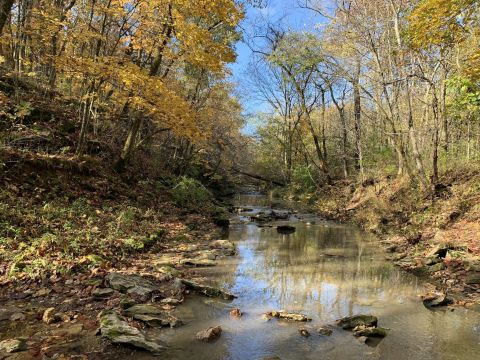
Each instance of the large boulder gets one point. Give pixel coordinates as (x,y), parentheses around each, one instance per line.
(118,331)
(351,322)
(152,316)
(131,284)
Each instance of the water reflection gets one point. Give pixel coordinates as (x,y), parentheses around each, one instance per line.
(325,271)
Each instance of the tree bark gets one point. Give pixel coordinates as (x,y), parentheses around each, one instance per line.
(5,8)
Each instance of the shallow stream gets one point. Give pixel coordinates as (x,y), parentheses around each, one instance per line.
(325,271)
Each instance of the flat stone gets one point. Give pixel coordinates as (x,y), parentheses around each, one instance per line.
(369,331)
(102,293)
(117,330)
(209,334)
(13,345)
(208,290)
(198,262)
(227,248)
(351,322)
(152,316)
(288,316)
(131,284)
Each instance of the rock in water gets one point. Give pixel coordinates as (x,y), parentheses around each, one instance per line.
(209,334)
(208,290)
(236,313)
(288,316)
(13,345)
(435,300)
(286,229)
(117,330)
(325,331)
(351,322)
(152,316)
(369,331)
(304,332)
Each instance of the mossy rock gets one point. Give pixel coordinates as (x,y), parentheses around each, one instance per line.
(351,322)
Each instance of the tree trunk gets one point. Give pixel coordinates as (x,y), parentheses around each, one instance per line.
(358,114)
(5,8)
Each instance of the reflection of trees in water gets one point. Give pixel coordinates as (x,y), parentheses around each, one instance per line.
(298,271)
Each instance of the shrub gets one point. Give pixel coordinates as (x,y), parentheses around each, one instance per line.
(191,194)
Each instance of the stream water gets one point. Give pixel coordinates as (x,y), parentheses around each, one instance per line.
(326,271)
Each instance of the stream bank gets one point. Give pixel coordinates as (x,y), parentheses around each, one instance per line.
(437,239)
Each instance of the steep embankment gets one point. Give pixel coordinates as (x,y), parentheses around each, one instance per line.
(437,238)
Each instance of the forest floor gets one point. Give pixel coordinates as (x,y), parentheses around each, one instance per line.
(65,228)
(437,239)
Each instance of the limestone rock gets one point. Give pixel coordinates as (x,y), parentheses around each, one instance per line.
(208,290)
(131,284)
(13,345)
(288,316)
(117,330)
(102,293)
(351,322)
(152,316)
(369,331)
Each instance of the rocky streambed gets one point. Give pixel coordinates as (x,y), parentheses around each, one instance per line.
(284,285)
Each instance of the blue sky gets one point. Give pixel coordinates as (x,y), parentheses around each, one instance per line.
(291,15)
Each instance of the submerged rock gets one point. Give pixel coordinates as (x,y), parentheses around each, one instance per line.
(209,334)
(288,316)
(286,229)
(351,322)
(225,247)
(208,290)
(117,330)
(325,330)
(13,345)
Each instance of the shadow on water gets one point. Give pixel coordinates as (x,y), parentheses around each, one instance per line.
(325,271)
